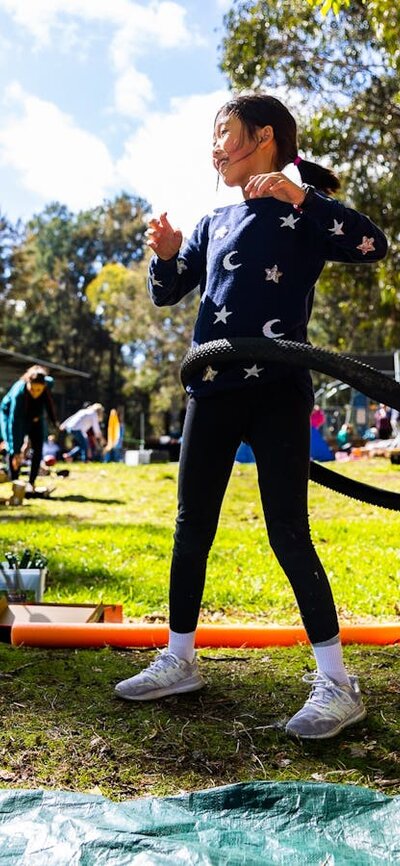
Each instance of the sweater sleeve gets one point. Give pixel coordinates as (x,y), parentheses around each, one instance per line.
(11,417)
(4,415)
(350,236)
(171,280)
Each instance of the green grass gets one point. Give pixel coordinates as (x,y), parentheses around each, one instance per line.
(107,531)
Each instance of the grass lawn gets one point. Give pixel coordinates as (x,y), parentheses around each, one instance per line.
(107,532)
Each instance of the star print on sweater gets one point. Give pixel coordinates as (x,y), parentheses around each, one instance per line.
(230,257)
(209,374)
(289,221)
(273,274)
(337,228)
(367,245)
(253,371)
(221,232)
(222,315)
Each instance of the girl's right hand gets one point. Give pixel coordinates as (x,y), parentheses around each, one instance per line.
(163,239)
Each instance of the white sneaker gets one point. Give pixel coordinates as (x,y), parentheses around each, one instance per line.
(329,708)
(166,675)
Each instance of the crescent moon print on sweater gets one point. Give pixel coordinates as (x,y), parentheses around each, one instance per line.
(256,264)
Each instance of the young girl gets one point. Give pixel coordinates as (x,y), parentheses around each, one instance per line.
(256,264)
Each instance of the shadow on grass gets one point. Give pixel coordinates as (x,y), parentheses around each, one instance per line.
(62,521)
(63,727)
(80,498)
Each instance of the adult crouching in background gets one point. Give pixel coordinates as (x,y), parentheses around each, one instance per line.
(79,426)
(22,414)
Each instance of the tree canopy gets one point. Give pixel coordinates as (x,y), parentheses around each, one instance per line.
(73,286)
(73,291)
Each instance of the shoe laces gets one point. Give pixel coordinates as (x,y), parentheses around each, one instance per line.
(160,668)
(326,692)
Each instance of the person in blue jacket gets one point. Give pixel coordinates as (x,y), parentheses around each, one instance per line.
(22,414)
(256,264)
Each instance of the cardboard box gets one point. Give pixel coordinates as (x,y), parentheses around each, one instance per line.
(25,612)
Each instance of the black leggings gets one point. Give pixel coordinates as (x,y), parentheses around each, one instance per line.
(35,434)
(274,420)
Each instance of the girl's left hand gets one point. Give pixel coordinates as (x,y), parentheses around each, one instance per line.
(274,184)
(163,239)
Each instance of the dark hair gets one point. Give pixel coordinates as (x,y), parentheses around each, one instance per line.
(256,110)
(36,373)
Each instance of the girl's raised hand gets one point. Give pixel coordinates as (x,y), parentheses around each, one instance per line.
(163,239)
(274,184)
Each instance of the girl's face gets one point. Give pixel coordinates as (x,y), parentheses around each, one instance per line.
(232,150)
(237,155)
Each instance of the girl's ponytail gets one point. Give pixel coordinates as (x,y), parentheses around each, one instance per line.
(322,178)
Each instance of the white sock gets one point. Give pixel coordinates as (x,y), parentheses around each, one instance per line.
(329,659)
(182,645)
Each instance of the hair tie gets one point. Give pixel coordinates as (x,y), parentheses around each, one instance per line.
(297,161)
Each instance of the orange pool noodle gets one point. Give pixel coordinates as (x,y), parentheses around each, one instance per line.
(209,635)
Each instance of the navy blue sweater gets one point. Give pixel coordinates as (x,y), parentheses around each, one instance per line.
(256,264)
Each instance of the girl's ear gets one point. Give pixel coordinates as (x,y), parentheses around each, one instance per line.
(265,134)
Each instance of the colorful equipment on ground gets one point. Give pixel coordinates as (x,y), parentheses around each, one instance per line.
(67,634)
(113,430)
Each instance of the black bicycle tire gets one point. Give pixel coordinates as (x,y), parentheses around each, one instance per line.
(363,377)
(354,489)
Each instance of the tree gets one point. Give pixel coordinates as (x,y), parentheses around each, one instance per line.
(153,340)
(285,42)
(382,15)
(7,238)
(51,264)
(77,295)
(326,6)
(341,77)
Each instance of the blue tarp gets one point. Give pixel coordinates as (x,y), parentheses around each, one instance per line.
(248,824)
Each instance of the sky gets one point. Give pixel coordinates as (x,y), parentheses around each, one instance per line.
(103,96)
